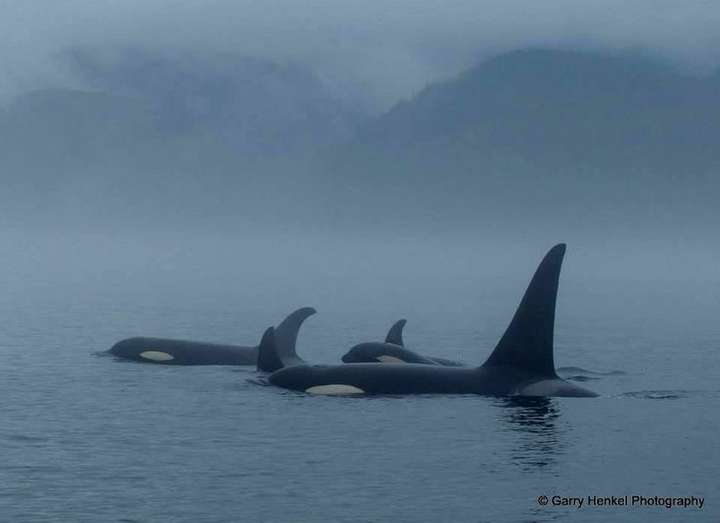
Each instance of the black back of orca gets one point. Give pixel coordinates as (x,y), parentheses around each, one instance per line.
(376,352)
(521,364)
(186,352)
(393,350)
(183,352)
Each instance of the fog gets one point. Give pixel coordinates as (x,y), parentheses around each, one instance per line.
(458,295)
(384,146)
(198,170)
(377,52)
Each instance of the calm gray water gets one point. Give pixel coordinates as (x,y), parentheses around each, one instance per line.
(88,438)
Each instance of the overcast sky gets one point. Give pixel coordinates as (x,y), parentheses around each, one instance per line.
(386,48)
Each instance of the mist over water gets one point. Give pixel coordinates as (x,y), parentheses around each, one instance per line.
(365,283)
(375,162)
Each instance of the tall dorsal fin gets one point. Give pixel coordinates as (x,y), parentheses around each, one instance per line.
(528,341)
(395,334)
(268,359)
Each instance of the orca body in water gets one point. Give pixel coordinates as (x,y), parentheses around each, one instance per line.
(185,352)
(522,363)
(393,350)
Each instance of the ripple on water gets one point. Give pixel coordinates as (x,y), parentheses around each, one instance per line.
(670,394)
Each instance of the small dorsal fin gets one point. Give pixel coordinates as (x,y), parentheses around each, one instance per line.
(268,359)
(395,334)
(528,341)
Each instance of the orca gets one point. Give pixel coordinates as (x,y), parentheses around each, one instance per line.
(185,352)
(521,364)
(393,350)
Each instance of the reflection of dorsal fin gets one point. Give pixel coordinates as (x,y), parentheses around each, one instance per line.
(268,360)
(528,341)
(395,334)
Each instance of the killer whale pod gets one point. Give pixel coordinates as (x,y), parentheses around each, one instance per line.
(521,364)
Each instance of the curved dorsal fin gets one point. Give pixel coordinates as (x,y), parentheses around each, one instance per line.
(395,334)
(268,359)
(285,336)
(528,341)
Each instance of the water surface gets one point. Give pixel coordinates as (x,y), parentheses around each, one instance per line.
(89,438)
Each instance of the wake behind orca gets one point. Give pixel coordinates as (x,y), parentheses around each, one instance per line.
(522,363)
(185,352)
